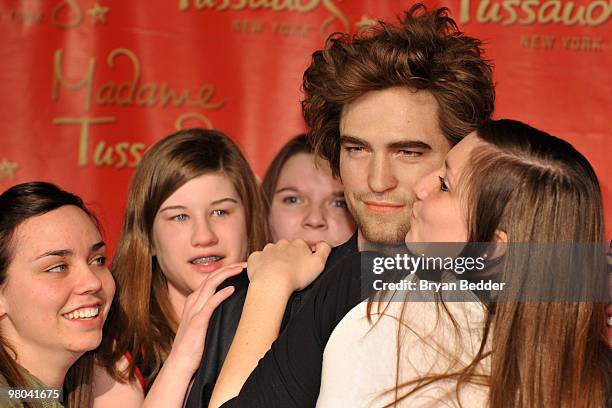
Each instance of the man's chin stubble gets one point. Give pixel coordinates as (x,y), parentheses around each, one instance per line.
(379,230)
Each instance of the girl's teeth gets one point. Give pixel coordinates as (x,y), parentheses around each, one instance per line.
(206,260)
(610,321)
(84,313)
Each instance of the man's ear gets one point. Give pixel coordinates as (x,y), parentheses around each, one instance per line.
(497,248)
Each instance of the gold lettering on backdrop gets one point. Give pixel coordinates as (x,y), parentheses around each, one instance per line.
(119,155)
(509,8)
(576,43)
(198,117)
(550,12)
(582,43)
(58,79)
(538,41)
(287,29)
(297,6)
(103,156)
(146,95)
(129,92)
(109,93)
(528,12)
(68,7)
(247,26)
(85,123)
(150,94)
(530,17)
(125,93)
(276,5)
(486,14)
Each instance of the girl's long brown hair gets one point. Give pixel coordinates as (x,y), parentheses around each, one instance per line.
(142,321)
(537,189)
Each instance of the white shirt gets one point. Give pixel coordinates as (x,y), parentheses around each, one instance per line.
(360,359)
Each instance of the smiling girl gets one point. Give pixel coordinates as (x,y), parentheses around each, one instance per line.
(55,293)
(193,215)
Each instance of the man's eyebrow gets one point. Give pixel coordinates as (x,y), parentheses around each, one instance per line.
(347,139)
(409,144)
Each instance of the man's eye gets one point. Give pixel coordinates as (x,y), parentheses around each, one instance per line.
(354,149)
(291,200)
(180,217)
(443,185)
(409,153)
(220,213)
(58,268)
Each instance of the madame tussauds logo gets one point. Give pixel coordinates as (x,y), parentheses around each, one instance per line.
(527,12)
(296,6)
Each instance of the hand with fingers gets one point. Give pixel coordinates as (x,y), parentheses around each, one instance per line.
(291,264)
(188,345)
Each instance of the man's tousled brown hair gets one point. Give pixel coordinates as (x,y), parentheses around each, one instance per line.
(426,51)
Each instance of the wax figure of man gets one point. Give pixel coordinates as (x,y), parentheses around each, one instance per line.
(383,108)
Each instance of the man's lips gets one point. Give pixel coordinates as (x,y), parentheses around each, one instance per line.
(383,207)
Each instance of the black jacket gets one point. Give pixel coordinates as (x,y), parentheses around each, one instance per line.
(224,322)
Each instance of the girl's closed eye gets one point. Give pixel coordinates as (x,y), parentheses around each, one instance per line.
(443,184)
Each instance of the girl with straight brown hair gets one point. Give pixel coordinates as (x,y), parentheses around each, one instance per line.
(193,215)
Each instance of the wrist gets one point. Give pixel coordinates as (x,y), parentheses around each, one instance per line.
(277,285)
(178,366)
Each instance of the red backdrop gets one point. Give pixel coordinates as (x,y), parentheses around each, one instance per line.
(88,85)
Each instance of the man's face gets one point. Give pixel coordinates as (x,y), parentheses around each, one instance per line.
(389,140)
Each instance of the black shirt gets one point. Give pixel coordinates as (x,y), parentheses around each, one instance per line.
(224,322)
(289,375)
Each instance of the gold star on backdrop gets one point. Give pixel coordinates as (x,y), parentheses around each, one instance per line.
(98,13)
(7,169)
(365,22)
